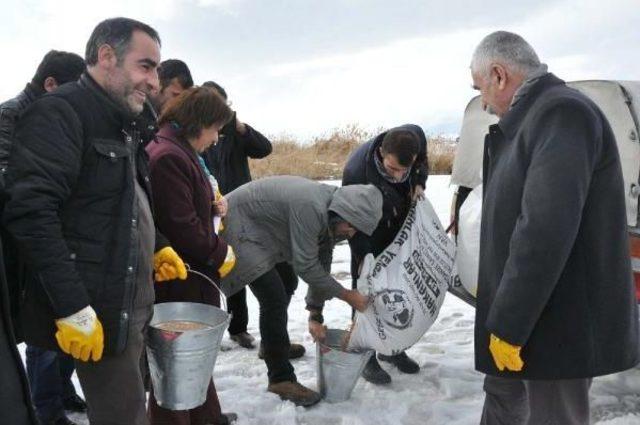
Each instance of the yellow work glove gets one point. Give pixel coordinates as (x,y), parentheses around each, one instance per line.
(81,335)
(228,264)
(168,265)
(505,355)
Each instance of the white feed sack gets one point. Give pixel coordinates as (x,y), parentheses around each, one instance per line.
(468,253)
(407,282)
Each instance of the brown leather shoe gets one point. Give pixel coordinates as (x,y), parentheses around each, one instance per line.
(244,339)
(295,392)
(295,351)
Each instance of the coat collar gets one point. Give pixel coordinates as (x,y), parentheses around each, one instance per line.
(112,109)
(510,122)
(168,133)
(32,92)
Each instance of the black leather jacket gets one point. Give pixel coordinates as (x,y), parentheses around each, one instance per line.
(73,212)
(10,112)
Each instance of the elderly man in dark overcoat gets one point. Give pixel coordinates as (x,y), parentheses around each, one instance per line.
(555,298)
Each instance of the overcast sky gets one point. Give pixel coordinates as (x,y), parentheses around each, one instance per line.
(303,67)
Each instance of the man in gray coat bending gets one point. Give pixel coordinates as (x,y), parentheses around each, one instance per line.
(555,302)
(298,221)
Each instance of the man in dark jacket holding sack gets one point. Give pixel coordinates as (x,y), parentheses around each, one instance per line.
(79,209)
(555,298)
(395,162)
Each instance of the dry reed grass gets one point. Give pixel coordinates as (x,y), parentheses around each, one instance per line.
(325,157)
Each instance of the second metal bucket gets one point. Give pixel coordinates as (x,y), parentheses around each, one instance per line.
(181,362)
(338,370)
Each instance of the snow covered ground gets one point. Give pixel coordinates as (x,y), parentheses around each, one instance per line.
(446,391)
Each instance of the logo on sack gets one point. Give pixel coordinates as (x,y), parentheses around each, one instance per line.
(397,311)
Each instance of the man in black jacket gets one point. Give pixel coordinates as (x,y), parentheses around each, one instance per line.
(555,303)
(15,400)
(78,186)
(49,371)
(228,161)
(55,69)
(175,77)
(395,161)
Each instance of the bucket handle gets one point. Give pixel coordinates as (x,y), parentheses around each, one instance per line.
(223,297)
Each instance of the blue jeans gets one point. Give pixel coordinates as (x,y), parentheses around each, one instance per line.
(49,374)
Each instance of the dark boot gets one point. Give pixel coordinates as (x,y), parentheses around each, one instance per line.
(295,351)
(244,339)
(295,392)
(63,420)
(227,419)
(374,373)
(75,403)
(403,362)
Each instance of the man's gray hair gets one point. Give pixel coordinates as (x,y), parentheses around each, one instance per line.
(506,48)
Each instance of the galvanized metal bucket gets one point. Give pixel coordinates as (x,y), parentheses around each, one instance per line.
(181,362)
(338,370)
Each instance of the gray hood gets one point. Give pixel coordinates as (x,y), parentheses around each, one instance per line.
(360,205)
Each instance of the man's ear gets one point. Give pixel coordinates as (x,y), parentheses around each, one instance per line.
(500,73)
(107,56)
(50,84)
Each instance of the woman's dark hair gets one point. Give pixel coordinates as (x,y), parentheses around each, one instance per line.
(216,86)
(195,109)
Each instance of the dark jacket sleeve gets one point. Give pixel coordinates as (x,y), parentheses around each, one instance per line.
(15,402)
(305,229)
(44,168)
(564,151)
(420,169)
(8,120)
(173,191)
(161,240)
(254,143)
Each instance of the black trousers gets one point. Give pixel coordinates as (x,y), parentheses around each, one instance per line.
(237,306)
(532,402)
(273,291)
(237,303)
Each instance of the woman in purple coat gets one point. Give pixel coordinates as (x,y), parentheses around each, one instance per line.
(185,206)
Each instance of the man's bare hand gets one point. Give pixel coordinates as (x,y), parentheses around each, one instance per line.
(317,330)
(418,193)
(241,128)
(355,299)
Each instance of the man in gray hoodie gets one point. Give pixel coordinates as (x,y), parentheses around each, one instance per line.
(298,221)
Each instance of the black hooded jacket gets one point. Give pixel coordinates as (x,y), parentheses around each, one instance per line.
(10,112)
(361,169)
